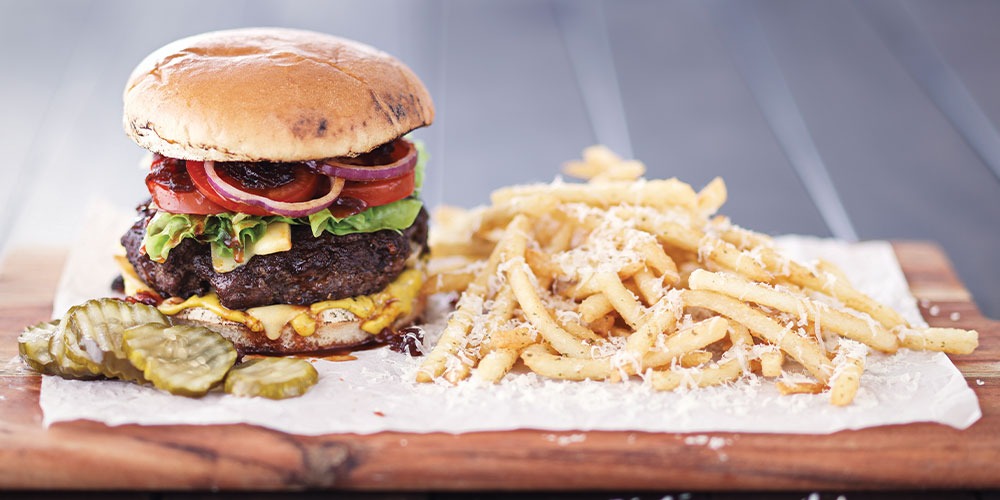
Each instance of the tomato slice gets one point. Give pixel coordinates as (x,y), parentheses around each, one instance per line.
(291,183)
(383,192)
(191,202)
(172,189)
(302,188)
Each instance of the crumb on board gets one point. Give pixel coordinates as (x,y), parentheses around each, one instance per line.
(565,440)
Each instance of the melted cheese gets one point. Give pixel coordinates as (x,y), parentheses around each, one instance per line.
(211,302)
(376,312)
(379,310)
(276,238)
(275,317)
(133,284)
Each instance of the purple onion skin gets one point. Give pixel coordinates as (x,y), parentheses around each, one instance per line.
(365,173)
(299,209)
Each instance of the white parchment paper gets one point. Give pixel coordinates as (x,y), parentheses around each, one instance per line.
(377,393)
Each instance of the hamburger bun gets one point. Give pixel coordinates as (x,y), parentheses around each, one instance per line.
(271,94)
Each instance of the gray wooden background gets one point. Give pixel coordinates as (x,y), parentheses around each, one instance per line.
(865,119)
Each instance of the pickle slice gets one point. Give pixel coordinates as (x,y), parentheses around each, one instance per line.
(65,364)
(184,360)
(34,345)
(93,331)
(274,378)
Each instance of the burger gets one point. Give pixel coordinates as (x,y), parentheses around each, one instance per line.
(284,210)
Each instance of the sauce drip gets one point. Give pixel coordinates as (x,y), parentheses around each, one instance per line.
(258,175)
(118,284)
(406,340)
(345,206)
(145,297)
(382,155)
(170,173)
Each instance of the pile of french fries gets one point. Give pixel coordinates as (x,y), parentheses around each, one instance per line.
(625,277)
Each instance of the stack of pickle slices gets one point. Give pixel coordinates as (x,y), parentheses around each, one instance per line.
(114,339)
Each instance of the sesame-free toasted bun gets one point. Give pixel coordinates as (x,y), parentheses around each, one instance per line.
(271,94)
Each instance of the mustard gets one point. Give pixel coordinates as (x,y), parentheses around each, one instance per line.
(211,302)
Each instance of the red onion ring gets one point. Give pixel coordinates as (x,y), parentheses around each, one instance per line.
(299,209)
(403,165)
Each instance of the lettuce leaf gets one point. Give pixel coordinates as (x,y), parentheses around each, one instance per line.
(228,231)
(418,172)
(397,215)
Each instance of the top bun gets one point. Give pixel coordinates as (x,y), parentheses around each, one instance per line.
(271,94)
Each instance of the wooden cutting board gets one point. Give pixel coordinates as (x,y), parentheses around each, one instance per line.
(83,455)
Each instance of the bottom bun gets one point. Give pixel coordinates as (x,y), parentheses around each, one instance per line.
(335,329)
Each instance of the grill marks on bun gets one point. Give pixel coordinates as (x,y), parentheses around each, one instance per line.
(271,94)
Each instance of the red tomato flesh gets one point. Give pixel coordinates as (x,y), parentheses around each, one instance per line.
(172,189)
(301,188)
(383,192)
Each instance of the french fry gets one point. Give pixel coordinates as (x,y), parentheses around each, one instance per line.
(595,307)
(501,215)
(516,338)
(793,272)
(723,254)
(698,336)
(949,340)
(741,238)
(601,164)
(709,249)
(804,350)
(771,363)
(500,312)
(650,287)
(694,358)
(787,388)
(726,371)
(542,362)
(542,267)
(658,193)
(582,332)
(660,319)
(852,327)
(846,380)
(454,335)
(739,334)
(712,196)
(453,223)
(475,248)
(495,365)
(589,285)
(620,298)
(825,266)
(560,240)
(451,281)
(655,257)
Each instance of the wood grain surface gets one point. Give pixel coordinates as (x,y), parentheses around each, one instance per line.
(88,455)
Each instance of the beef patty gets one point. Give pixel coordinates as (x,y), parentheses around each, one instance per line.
(315,269)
